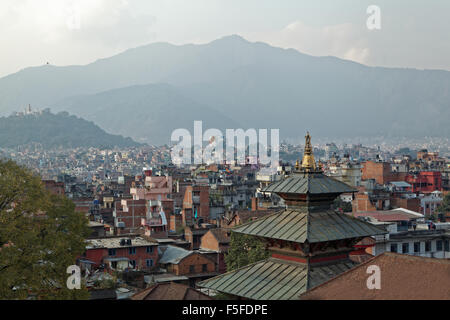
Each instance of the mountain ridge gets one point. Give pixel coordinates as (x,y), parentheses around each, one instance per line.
(259,86)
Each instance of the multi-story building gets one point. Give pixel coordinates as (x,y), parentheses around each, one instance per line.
(120,253)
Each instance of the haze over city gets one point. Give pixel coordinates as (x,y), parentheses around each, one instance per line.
(68,32)
(235,152)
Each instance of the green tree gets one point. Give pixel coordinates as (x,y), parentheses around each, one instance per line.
(40,236)
(244,250)
(444,207)
(339,204)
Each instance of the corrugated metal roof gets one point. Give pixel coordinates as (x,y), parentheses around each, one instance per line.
(312,183)
(172,254)
(297,226)
(274,279)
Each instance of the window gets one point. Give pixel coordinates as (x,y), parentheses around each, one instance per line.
(149,262)
(132,250)
(393,247)
(112,252)
(149,249)
(447,245)
(204,268)
(416,246)
(191,269)
(427,246)
(405,248)
(439,245)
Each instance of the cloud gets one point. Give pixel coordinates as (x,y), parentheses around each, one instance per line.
(111,22)
(68,31)
(345,41)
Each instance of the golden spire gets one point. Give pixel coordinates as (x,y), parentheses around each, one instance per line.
(308,162)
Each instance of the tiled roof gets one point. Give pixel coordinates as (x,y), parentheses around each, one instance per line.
(273,279)
(312,183)
(298,226)
(170,291)
(403,276)
(389,215)
(221,235)
(247,215)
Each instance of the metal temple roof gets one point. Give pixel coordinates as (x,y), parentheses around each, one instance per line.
(298,226)
(312,183)
(274,279)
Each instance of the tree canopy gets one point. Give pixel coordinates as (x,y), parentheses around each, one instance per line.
(244,250)
(40,236)
(444,207)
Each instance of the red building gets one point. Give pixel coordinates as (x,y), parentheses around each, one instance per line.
(128,214)
(425,181)
(119,253)
(195,204)
(54,187)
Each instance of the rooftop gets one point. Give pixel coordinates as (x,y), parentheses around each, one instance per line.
(114,242)
(274,279)
(403,277)
(222,235)
(312,183)
(297,226)
(394,215)
(170,291)
(172,254)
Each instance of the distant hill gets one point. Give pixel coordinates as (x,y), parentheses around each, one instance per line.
(56,130)
(255,84)
(146,113)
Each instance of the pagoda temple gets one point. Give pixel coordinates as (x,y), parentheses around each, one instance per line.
(308,241)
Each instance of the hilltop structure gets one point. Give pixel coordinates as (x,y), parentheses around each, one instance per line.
(309,242)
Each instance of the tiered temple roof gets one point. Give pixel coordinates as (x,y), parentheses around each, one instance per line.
(309,242)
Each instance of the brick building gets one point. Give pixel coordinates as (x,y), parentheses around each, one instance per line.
(195,204)
(218,241)
(181,262)
(119,253)
(54,187)
(128,215)
(381,172)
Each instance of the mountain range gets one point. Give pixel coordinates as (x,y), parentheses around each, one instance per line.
(148,91)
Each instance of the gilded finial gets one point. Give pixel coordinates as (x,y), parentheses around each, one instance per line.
(308,162)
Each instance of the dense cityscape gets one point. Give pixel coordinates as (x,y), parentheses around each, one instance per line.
(154,224)
(220,159)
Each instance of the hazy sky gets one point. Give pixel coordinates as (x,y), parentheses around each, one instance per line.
(414,33)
